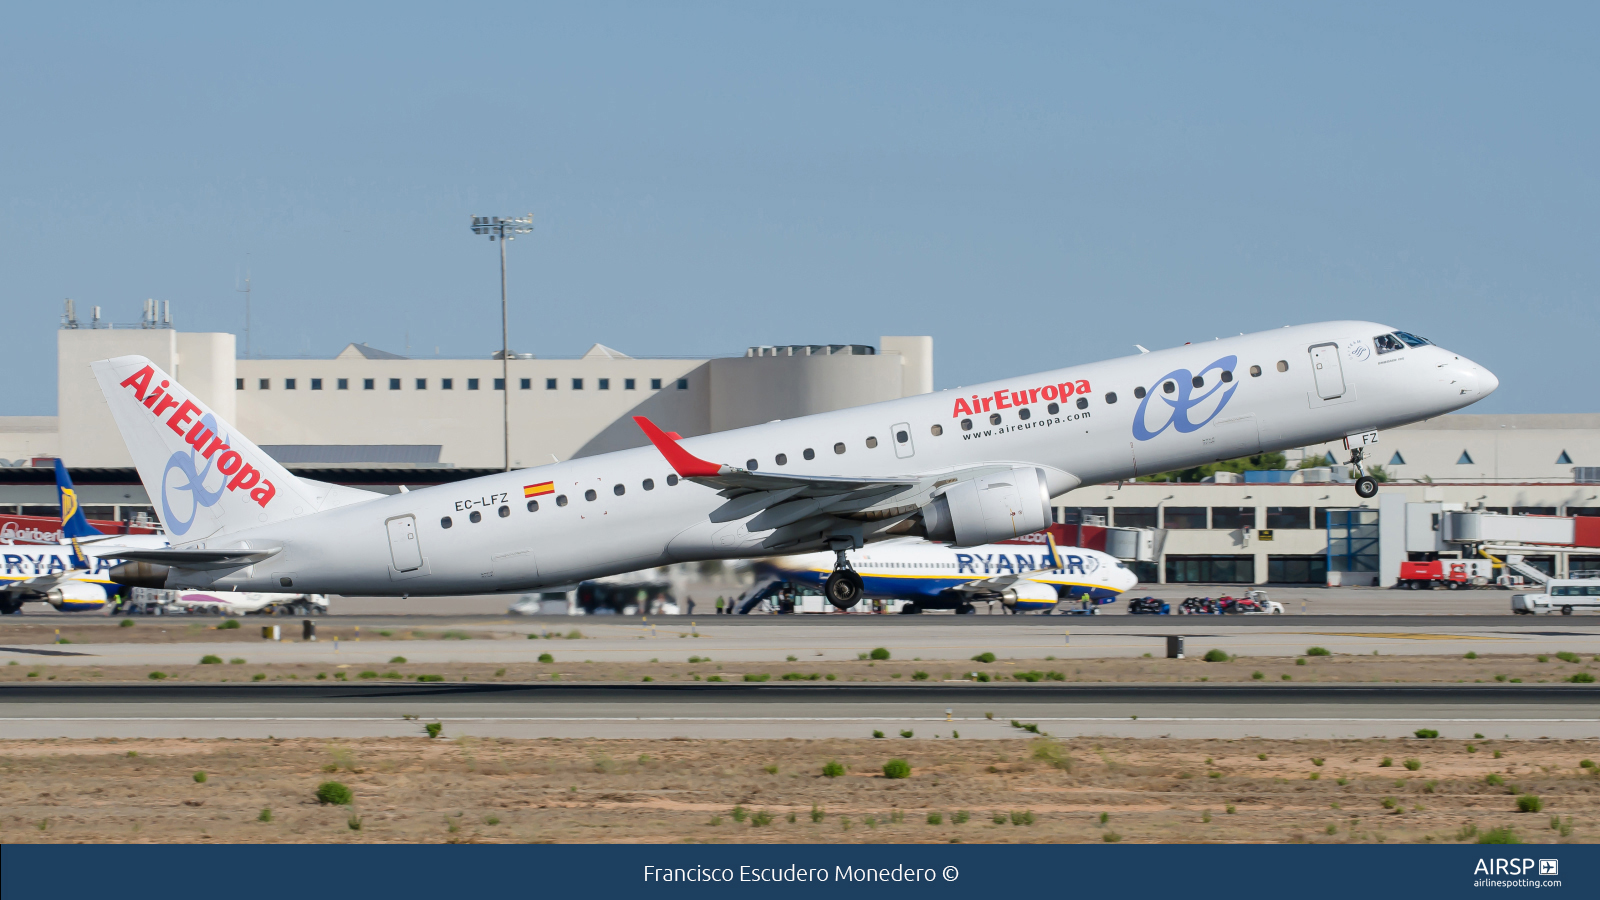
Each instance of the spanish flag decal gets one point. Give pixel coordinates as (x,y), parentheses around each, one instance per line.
(534,490)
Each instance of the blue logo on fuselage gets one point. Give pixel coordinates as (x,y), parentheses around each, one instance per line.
(1183,398)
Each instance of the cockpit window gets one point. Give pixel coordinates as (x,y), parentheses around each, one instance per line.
(1387,343)
(1412,339)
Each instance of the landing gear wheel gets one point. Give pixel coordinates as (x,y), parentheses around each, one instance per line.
(843,588)
(966,609)
(1366,487)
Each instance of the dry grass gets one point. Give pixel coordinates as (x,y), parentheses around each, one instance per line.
(668,791)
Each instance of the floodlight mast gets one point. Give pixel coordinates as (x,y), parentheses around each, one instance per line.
(504,229)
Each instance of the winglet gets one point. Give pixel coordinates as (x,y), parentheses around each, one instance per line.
(685,463)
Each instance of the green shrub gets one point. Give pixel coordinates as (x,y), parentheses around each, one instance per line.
(199,778)
(816,813)
(1050,753)
(354,822)
(1215,655)
(262,676)
(1581,678)
(1529,803)
(715,678)
(334,793)
(1585,763)
(1565,656)
(1257,676)
(907,733)
(1300,662)
(397,660)
(368,674)
(757,676)
(877,734)
(157,676)
(879,653)
(1471,655)
(1030,677)
(210,659)
(430,678)
(1494,780)
(740,813)
(761,819)
(1387,762)
(1390,803)
(999,818)
(393,674)
(984,657)
(546,658)
(236,661)
(1501,835)
(1426,733)
(935,819)
(125,623)
(1413,764)
(1317,651)
(1542,658)
(1111,837)
(982,677)
(228,625)
(919,675)
(434,729)
(961,817)
(1022,818)
(264,816)
(832,769)
(897,768)
(1317,760)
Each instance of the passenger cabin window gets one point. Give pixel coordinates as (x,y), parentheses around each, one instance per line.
(902,437)
(1111,397)
(966,424)
(1197,381)
(590,495)
(1283,365)
(936,430)
(672,481)
(872,443)
(1138,393)
(1255,371)
(781,459)
(561,500)
(750,465)
(1024,413)
(445,522)
(1169,387)
(1226,376)
(619,490)
(838,448)
(505,511)
(1053,408)
(533,506)
(476,517)
(1083,402)
(1387,343)
(994,418)
(649,484)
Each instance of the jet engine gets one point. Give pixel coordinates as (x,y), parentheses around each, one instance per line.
(993,507)
(74,591)
(1028,592)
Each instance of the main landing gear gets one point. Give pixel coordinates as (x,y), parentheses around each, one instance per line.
(1366,485)
(843,588)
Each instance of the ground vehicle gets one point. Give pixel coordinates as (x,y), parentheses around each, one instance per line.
(1455,574)
(1148,606)
(1563,595)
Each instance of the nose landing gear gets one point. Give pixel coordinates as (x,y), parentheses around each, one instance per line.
(1366,485)
(843,588)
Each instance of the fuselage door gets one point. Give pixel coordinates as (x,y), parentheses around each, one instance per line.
(901,436)
(1325,366)
(403,545)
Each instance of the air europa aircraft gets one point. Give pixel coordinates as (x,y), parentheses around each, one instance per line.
(964,467)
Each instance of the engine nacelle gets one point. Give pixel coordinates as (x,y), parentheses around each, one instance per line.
(1029,594)
(995,507)
(69,593)
(140,574)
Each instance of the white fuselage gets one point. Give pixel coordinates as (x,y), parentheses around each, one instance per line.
(621,511)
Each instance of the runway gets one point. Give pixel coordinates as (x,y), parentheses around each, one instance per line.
(764,711)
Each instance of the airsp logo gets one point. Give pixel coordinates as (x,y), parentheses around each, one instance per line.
(1549,867)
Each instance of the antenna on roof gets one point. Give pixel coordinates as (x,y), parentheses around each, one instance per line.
(246,293)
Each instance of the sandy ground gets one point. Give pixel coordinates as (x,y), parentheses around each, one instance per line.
(1015,791)
(1524,668)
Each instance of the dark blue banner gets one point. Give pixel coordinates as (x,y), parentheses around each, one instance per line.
(678,870)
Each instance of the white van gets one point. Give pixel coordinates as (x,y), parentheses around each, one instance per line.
(1562,595)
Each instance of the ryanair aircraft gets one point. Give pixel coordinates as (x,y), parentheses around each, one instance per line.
(1023,577)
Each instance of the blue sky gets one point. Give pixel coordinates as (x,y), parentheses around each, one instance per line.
(1033,185)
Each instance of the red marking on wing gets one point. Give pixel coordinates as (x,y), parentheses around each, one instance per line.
(685,463)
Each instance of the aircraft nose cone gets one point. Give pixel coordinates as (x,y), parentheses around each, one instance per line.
(1486,382)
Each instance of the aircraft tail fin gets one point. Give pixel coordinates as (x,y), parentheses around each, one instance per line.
(73,523)
(205,479)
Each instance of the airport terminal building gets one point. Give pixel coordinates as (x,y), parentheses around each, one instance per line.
(380,420)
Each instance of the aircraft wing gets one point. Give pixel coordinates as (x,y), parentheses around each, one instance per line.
(39,584)
(200,559)
(787,503)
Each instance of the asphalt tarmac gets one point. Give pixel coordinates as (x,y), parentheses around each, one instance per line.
(741,711)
